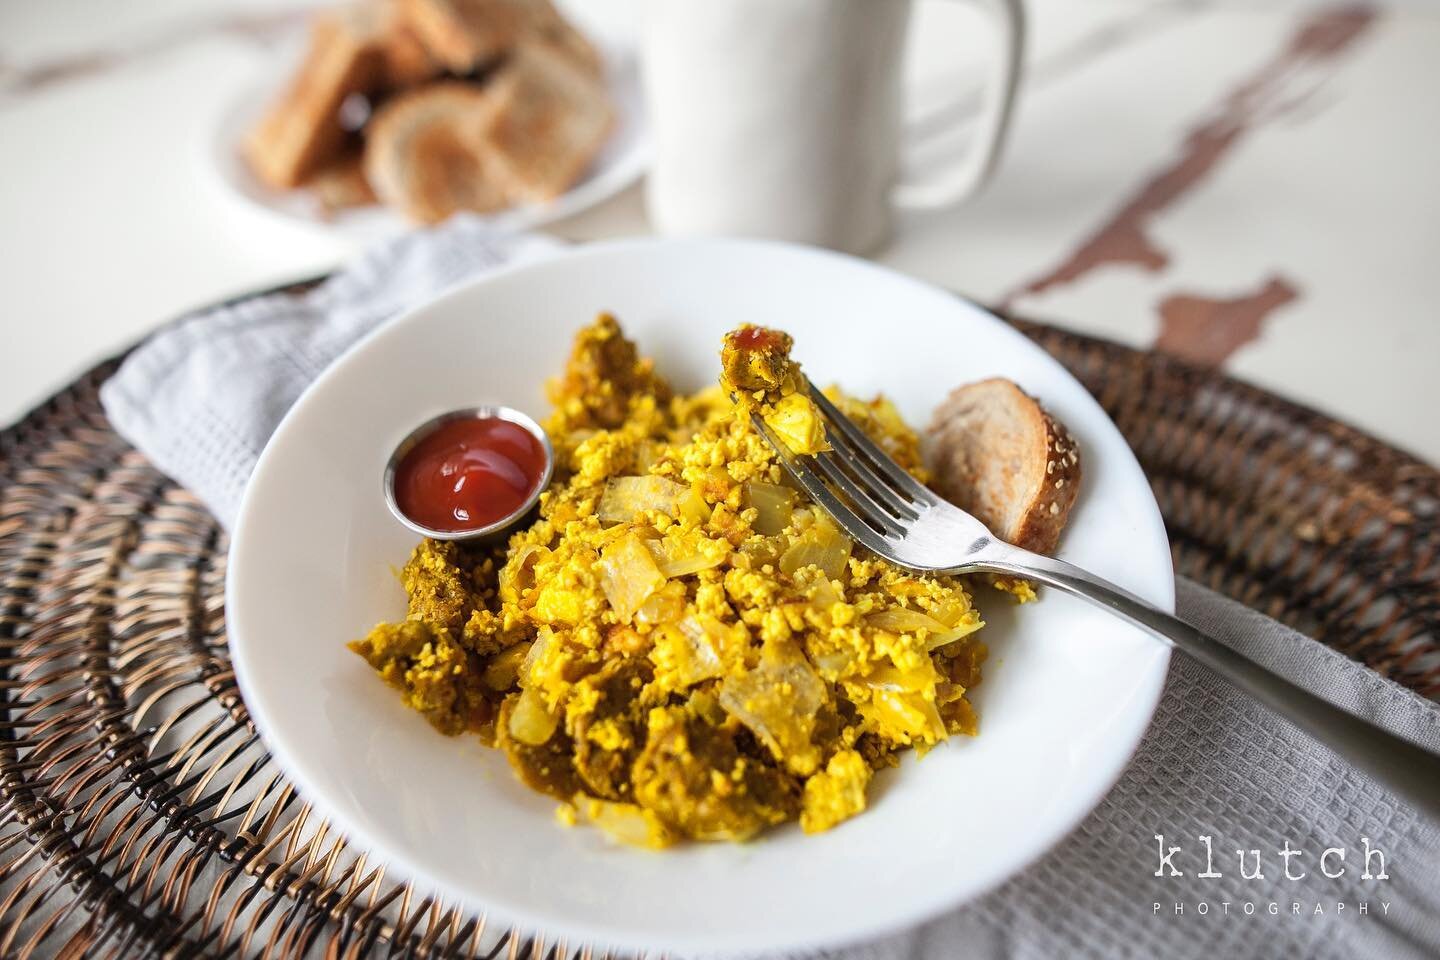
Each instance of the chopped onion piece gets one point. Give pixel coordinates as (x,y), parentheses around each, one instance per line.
(889,677)
(518,574)
(677,556)
(688,651)
(774,506)
(823,595)
(531,722)
(544,640)
(951,612)
(692,507)
(665,605)
(626,823)
(833,662)
(778,703)
(822,545)
(796,421)
(964,629)
(908,714)
(729,641)
(904,620)
(624,497)
(628,575)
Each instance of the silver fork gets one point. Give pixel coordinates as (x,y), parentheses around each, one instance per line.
(898,518)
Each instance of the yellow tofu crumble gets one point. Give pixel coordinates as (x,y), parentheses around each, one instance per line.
(681,645)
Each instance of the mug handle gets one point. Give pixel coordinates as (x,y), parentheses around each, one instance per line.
(994,121)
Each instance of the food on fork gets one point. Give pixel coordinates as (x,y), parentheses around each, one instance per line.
(1002,458)
(682,645)
(758,374)
(463,105)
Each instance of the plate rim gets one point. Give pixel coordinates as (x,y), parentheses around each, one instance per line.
(1147,692)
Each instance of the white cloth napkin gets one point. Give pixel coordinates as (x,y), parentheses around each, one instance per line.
(201,398)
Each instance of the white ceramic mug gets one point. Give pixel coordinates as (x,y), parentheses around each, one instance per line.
(781,118)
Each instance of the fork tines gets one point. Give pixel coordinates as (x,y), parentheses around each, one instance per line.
(870,495)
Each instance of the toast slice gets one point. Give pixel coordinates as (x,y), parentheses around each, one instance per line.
(404,60)
(551,118)
(302,132)
(999,456)
(466,35)
(423,154)
(363,49)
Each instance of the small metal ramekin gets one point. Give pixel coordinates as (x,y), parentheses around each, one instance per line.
(482,412)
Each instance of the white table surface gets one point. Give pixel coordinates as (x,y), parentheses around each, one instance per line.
(1251,185)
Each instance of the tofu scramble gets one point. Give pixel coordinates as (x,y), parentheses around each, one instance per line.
(681,645)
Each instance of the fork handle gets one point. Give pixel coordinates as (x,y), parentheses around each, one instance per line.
(1412,771)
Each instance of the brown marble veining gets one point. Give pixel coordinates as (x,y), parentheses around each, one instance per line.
(1208,330)
(1305,60)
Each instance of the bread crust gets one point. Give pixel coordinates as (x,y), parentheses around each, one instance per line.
(1000,456)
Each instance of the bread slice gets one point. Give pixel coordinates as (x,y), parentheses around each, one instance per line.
(302,133)
(999,456)
(404,60)
(366,49)
(466,35)
(423,154)
(551,118)
(341,184)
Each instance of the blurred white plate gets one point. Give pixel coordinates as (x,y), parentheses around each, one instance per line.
(1068,690)
(619,163)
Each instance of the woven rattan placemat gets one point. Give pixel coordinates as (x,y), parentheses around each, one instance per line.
(142,815)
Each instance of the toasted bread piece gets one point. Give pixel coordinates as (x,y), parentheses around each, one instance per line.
(465,35)
(551,118)
(404,60)
(1002,458)
(423,153)
(341,184)
(302,132)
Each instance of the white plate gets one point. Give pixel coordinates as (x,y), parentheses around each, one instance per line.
(620,162)
(1068,691)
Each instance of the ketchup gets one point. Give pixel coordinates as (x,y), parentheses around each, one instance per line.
(756,338)
(469,473)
